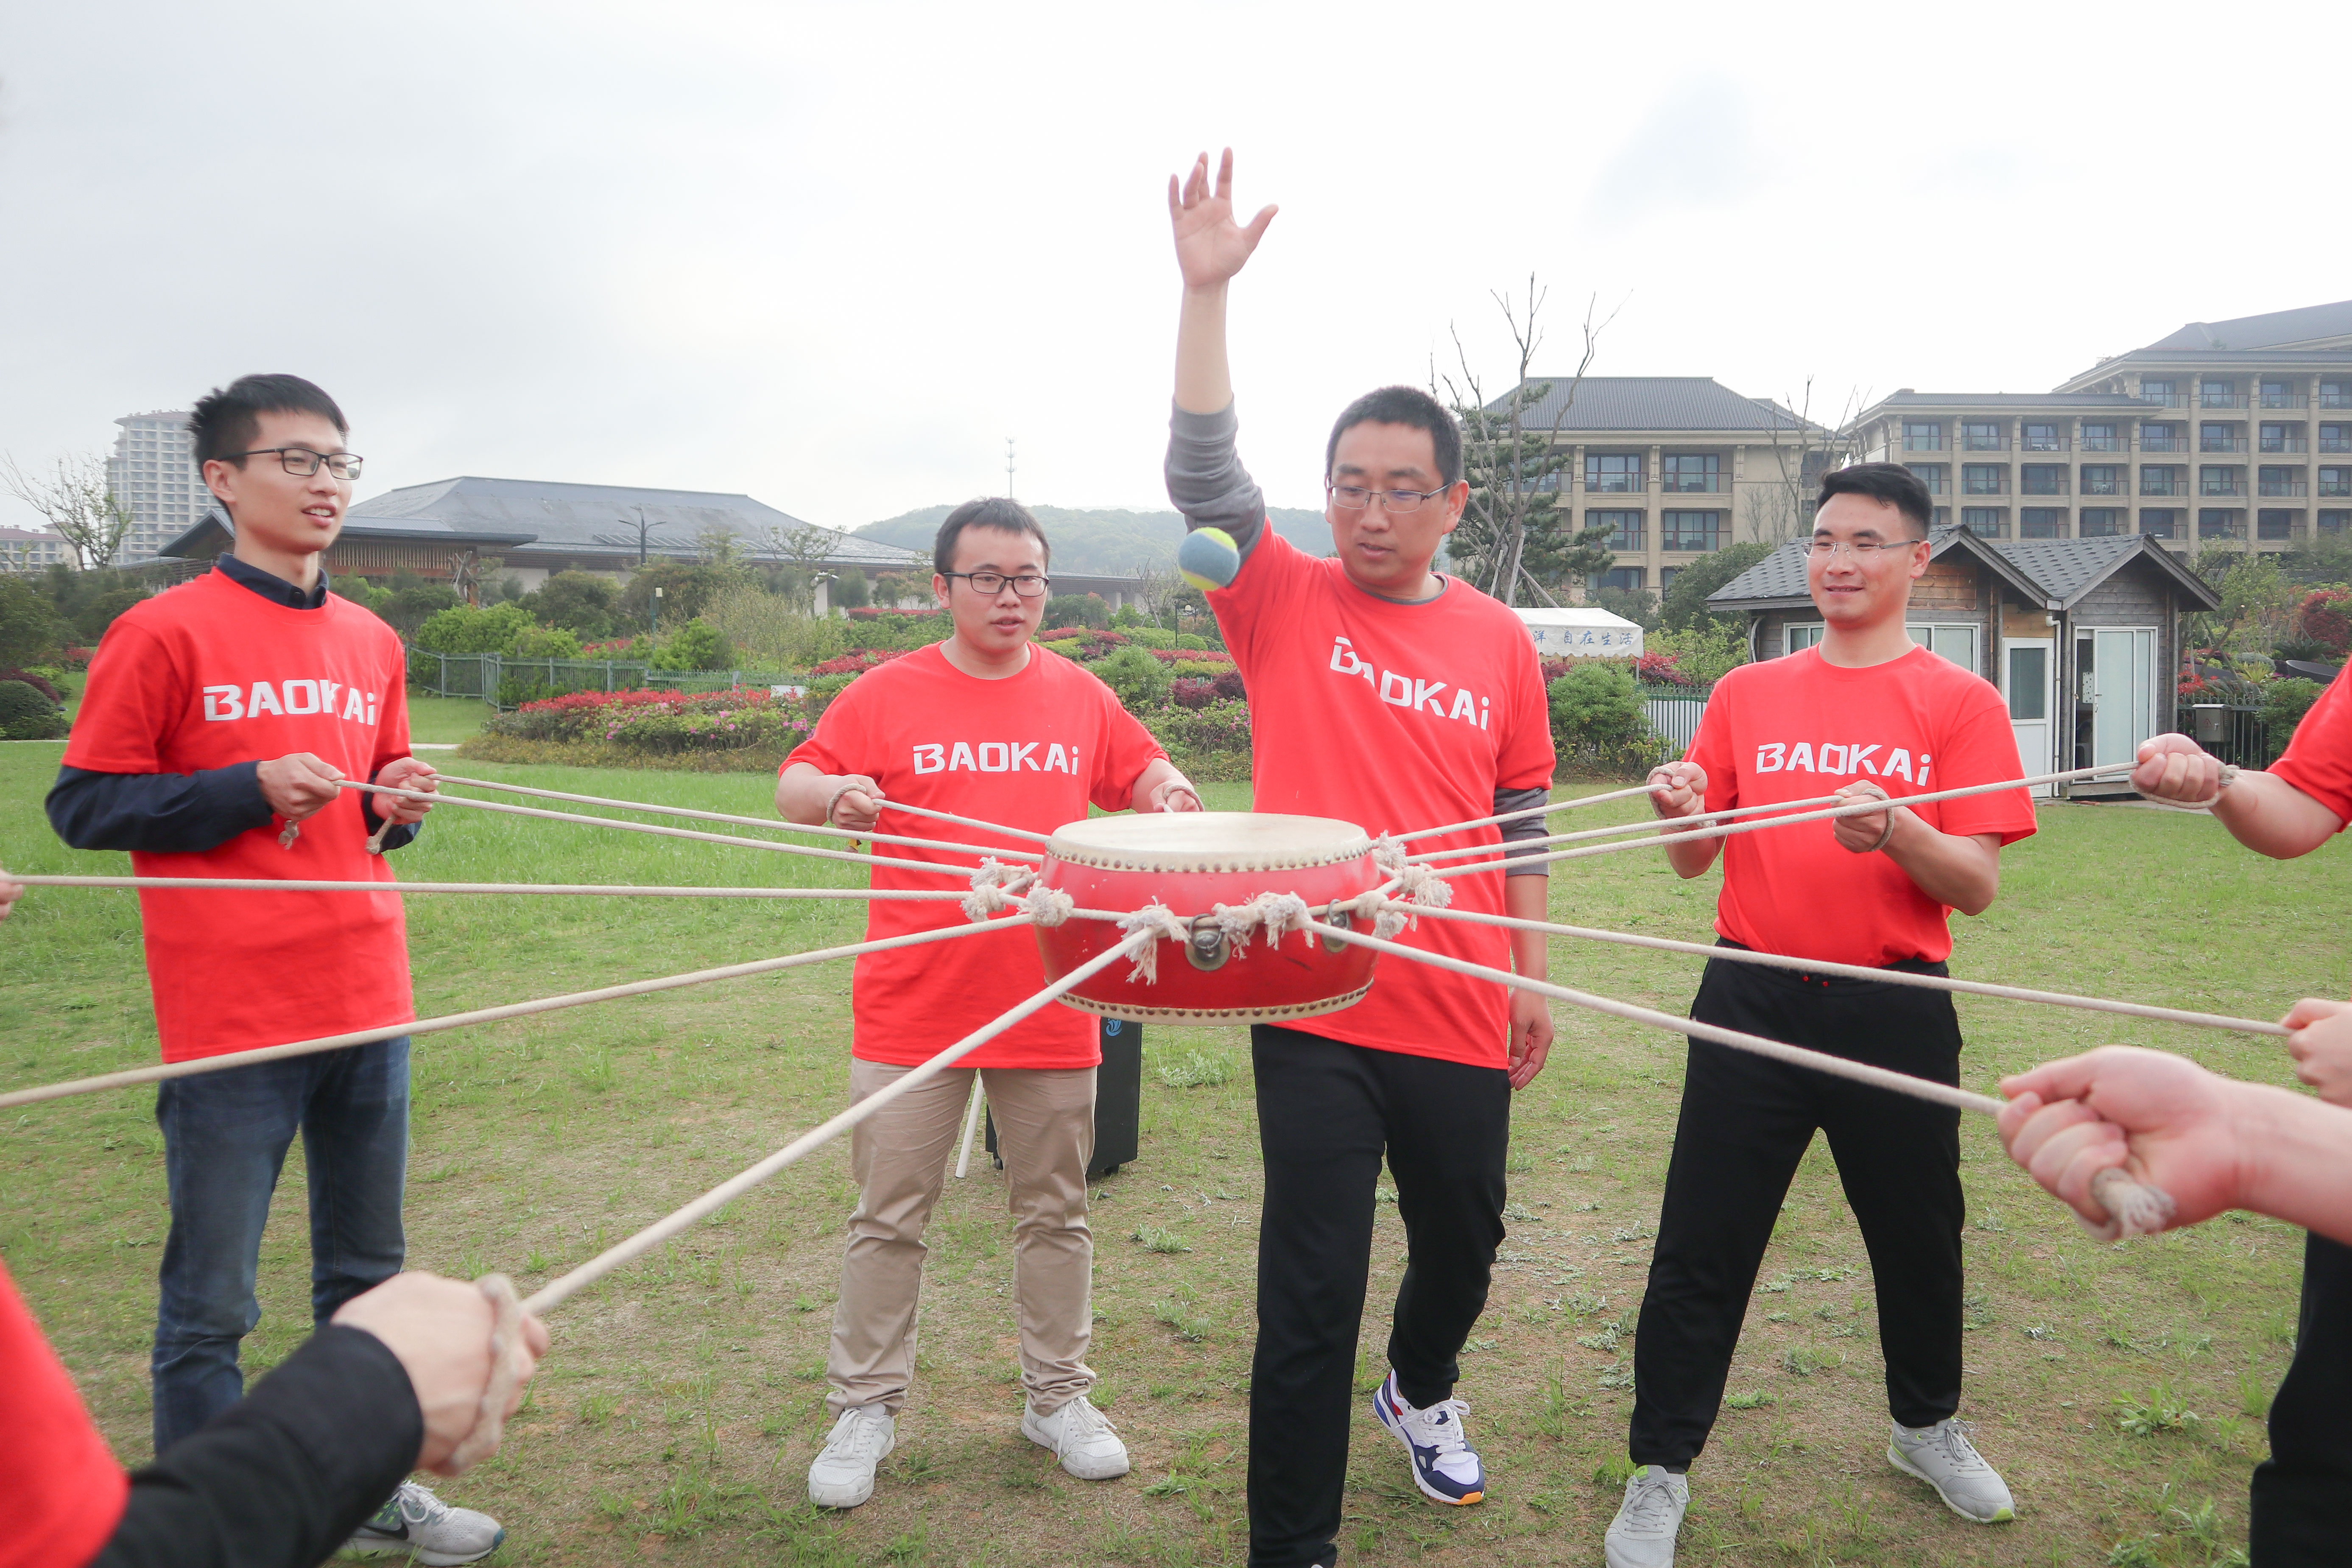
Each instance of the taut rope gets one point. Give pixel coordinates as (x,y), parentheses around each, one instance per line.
(965,821)
(1523,811)
(555,1291)
(580,890)
(2135,1212)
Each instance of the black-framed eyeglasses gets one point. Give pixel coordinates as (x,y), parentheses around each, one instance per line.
(1356,498)
(303,462)
(1028,584)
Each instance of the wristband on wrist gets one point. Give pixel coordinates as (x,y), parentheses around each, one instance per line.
(1887,838)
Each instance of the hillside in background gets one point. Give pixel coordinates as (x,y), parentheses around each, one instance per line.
(1103,540)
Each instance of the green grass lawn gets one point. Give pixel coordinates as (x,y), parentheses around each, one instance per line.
(445,719)
(675,1420)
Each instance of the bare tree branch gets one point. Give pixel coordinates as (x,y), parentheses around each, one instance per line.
(75,499)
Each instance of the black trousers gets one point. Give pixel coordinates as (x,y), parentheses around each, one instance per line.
(1327,1112)
(1746,1121)
(2302,1492)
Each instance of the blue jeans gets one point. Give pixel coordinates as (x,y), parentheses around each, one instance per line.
(225,1140)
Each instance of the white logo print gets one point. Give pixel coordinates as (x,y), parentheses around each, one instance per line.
(1827,757)
(996,757)
(1410,691)
(289,699)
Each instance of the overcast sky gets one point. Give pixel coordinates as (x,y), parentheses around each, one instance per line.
(833,256)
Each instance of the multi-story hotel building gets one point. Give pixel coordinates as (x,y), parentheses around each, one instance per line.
(2231,433)
(1677,465)
(32,550)
(153,472)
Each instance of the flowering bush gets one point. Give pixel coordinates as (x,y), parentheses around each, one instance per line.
(858,663)
(1215,727)
(653,720)
(619,647)
(1191,691)
(877,613)
(1191,656)
(2327,617)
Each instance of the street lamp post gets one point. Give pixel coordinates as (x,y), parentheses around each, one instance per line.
(655,608)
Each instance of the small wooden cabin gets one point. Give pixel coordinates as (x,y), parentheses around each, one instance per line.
(2081,636)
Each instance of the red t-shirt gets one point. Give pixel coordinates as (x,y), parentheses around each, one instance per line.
(211,674)
(2318,759)
(1029,751)
(1394,717)
(1794,728)
(60,1490)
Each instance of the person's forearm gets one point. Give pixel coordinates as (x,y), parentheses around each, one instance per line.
(2295,1158)
(803,793)
(323,1439)
(157,814)
(1692,857)
(2270,816)
(1204,379)
(1528,897)
(1160,771)
(1950,869)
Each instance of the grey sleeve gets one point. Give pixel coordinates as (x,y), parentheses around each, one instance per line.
(1521,828)
(1206,479)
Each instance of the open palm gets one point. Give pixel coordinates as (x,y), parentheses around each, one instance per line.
(1210,245)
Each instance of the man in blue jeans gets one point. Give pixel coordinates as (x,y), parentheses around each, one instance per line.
(218,723)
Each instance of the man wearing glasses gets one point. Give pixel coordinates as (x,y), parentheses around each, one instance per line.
(218,719)
(1866,714)
(987,726)
(1386,694)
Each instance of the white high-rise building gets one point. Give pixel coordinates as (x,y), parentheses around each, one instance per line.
(154,472)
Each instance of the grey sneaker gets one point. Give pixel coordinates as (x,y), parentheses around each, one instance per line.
(414,1523)
(1943,1457)
(1080,1436)
(1642,1534)
(843,1473)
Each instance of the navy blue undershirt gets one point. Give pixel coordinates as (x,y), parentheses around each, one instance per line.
(187,813)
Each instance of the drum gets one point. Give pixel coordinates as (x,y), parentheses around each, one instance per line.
(1192,862)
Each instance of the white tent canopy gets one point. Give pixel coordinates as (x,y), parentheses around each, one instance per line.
(1582,633)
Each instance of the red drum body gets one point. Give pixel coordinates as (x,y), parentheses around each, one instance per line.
(1192,862)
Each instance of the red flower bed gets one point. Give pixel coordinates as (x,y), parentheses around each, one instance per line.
(877,612)
(858,663)
(650,696)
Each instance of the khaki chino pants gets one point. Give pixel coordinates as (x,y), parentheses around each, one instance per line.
(1045,1134)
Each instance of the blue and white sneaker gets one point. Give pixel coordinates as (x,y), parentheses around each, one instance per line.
(1444,1466)
(414,1524)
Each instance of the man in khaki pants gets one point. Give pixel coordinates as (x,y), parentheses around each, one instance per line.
(987,726)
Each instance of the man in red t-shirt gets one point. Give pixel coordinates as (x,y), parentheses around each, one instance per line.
(218,719)
(1870,708)
(1388,695)
(989,726)
(2302,1492)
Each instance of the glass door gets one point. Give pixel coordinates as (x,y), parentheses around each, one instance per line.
(2121,685)
(2027,681)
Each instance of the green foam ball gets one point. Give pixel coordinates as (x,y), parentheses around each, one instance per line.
(1209,559)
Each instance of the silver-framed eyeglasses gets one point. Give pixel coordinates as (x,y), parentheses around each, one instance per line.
(1356,498)
(303,462)
(1860,549)
(1028,584)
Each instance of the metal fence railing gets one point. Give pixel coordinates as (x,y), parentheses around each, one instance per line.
(503,681)
(1674,712)
(2234,731)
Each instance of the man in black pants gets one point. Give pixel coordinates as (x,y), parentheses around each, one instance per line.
(1388,695)
(1869,706)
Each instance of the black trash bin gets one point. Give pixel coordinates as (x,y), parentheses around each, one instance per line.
(1119,1101)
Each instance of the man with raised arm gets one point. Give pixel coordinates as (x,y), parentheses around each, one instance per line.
(1866,714)
(1395,697)
(985,725)
(2302,1492)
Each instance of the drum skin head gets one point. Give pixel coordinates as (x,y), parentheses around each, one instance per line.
(1208,841)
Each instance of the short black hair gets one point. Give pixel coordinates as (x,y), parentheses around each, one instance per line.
(1892,483)
(992,511)
(225,418)
(1402,405)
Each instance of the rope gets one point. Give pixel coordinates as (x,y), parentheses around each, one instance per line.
(1856,808)
(825,828)
(557,1292)
(1861,972)
(739,842)
(965,821)
(505,1374)
(581,889)
(1645,826)
(2127,1210)
(1525,811)
(1273,914)
(481,1015)
(1158,920)
(995,887)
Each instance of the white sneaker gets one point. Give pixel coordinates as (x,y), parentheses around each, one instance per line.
(1080,1436)
(1642,1534)
(843,1474)
(1943,1457)
(1444,1466)
(415,1523)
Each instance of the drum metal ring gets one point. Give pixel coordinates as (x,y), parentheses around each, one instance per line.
(1206,946)
(1338,915)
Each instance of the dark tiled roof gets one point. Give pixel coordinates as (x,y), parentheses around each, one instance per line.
(1780,575)
(2065,567)
(2062,569)
(1661,403)
(2277,330)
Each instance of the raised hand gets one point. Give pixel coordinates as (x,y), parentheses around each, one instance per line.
(1210,245)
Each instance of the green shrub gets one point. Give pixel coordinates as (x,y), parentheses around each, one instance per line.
(583,603)
(545,642)
(697,646)
(462,628)
(1149,635)
(1192,640)
(1595,706)
(30,628)
(1139,680)
(27,715)
(2284,702)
